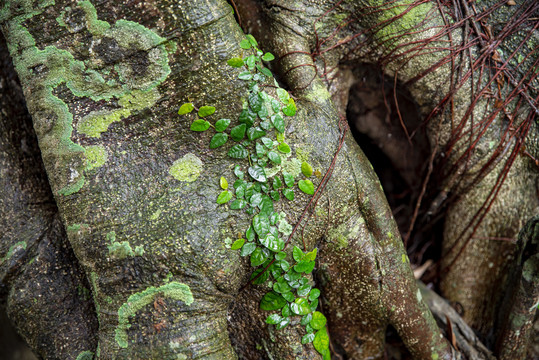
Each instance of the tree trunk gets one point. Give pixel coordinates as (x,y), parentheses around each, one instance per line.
(136,188)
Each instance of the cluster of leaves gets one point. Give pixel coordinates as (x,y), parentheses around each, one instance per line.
(260,138)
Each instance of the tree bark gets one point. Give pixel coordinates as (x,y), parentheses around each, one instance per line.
(136,189)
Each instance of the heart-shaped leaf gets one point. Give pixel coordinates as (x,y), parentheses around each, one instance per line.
(218,139)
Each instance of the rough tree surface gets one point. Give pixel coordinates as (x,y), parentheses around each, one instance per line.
(114,246)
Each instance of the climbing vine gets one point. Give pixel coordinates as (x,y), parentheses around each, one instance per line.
(262,180)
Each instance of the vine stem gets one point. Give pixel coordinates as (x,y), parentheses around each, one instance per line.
(343,125)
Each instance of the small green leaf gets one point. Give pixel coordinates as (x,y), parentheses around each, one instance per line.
(326,355)
(290,109)
(272,243)
(238,132)
(274,157)
(255,133)
(288,296)
(314,304)
(304,267)
(275,270)
(235,62)
(248,249)
(267,142)
(223,183)
(221,125)
(237,151)
(284,148)
(288,179)
(274,319)
(311,255)
(278,121)
(309,329)
(279,136)
(281,287)
(250,61)
(306,319)
(321,340)
(275,195)
(245,44)
(318,321)
(250,233)
(286,311)
(303,290)
(252,40)
(261,225)
(240,191)
(259,256)
(297,253)
(206,111)
(263,114)
(257,173)
(300,307)
(246,75)
(238,204)
(237,244)
(247,117)
(218,139)
(266,72)
(185,109)
(284,322)
(314,294)
(200,125)
(255,101)
(272,301)
(239,174)
(268,57)
(308,338)
(306,169)
(256,199)
(266,207)
(289,194)
(285,265)
(280,255)
(306,186)
(265,125)
(224,197)
(274,218)
(277,183)
(260,150)
(283,95)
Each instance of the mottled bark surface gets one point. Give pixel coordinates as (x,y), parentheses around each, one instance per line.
(135,189)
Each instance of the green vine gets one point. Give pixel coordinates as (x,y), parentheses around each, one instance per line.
(260,139)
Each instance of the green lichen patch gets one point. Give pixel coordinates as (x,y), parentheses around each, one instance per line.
(187,168)
(400,17)
(291,166)
(94,77)
(76,227)
(122,250)
(99,121)
(173,290)
(344,233)
(96,156)
(85,355)
(12,249)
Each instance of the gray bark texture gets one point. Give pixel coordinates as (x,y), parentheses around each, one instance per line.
(114,246)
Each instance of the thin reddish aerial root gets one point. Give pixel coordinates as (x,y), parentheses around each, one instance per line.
(488,71)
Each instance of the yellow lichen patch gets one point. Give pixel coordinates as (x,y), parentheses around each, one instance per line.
(98,122)
(187,168)
(96,156)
